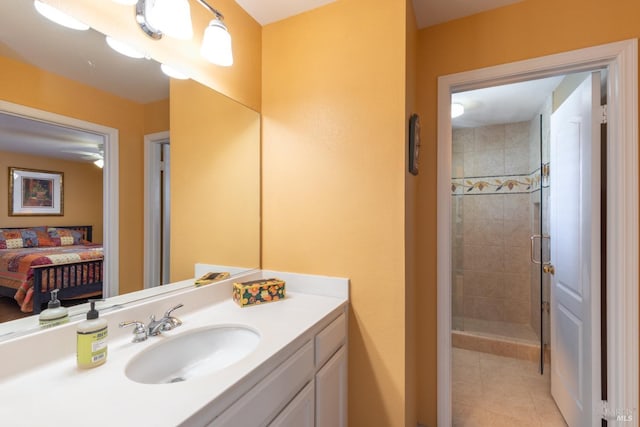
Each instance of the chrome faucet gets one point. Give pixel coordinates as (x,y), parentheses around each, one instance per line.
(166,323)
(155,327)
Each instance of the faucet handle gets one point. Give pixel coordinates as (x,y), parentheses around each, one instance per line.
(139,331)
(168,312)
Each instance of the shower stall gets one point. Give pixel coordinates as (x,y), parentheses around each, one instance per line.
(499,196)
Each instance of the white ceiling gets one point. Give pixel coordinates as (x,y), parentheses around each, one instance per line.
(428,12)
(432,12)
(21,135)
(512,103)
(268,11)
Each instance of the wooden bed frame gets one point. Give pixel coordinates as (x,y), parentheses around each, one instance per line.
(83,277)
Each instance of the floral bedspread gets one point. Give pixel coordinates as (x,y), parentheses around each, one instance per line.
(16,266)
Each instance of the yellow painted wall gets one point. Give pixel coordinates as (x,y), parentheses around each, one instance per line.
(27,85)
(82,192)
(411,182)
(240,81)
(215,180)
(156,116)
(524,30)
(333,105)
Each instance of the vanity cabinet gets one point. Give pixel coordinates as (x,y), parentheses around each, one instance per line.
(308,389)
(331,392)
(300,412)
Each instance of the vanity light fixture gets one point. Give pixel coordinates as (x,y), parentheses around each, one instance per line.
(216,44)
(58,16)
(172,17)
(456,110)
(124,48)
(172,72)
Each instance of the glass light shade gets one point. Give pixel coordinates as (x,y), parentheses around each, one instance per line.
(126,2)
(216,44)
(59,17)
(171,17)
(456,110)
(99,163)
(123,48)
(172,72)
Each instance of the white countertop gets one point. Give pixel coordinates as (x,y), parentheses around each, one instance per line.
(104,396)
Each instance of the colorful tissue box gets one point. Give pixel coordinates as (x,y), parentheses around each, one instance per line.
(211,277)
(258,291)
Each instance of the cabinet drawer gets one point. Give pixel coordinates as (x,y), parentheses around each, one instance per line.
(330,339)
(269,396)
(300,412)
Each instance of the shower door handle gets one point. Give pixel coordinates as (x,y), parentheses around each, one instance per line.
(540,237)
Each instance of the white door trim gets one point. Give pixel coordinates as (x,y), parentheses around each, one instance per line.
(621,58)
(152,143)
(110,189)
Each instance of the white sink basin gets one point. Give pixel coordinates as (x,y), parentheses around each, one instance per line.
(192,354)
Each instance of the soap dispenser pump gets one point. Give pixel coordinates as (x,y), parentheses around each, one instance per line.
(92,340)
(55,314)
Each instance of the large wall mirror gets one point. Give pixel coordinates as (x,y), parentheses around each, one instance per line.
(187,158)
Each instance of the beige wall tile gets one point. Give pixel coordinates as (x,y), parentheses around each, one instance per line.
(516,161)
(488,207)
(487,308)
(517,259)
(488,163)
(516,135)
(517,207)
(489,138)
(487,258)
(516,233)
(484,284)
(484,232)
(517,286)
(516,311)
(462,140)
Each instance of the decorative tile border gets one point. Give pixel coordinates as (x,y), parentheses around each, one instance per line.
(505,184)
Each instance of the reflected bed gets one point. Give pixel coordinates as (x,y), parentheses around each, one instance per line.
(36,260)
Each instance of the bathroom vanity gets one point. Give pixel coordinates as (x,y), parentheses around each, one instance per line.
(282,363)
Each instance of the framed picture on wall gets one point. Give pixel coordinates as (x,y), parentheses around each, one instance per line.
(35,192)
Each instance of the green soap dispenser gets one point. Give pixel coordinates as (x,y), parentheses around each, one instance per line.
(55,314)
(92,340)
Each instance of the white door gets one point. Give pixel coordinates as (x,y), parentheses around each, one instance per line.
(575,254)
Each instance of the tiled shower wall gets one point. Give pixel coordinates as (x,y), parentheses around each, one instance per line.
(491,266)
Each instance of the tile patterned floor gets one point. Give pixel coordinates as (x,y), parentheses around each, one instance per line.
(514,331)
(495,391)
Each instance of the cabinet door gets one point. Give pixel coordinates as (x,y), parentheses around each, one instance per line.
(331,392)
(261,404)
(299,412)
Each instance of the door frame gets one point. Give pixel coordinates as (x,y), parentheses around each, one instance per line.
(621,59)
(152,143)
(110,189)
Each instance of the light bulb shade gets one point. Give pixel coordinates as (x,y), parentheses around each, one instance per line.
(123,48)
(59,17)
(216,44)
(456,110)
(172,72)
(99,163)
(171,17)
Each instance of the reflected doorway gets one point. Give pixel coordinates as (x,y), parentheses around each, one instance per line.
(157,223)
